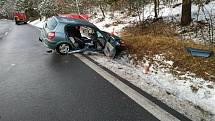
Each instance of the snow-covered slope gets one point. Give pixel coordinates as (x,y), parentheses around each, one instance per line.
(38,23)
(177,93)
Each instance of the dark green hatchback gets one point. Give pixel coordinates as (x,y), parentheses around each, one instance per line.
(66,35)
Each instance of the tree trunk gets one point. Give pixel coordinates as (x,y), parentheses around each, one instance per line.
(155,8)
(186,13)
(101,8)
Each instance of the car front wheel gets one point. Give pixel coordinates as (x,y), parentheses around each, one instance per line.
(63,48)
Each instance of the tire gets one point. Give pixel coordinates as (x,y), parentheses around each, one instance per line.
(17,23)
(63,48)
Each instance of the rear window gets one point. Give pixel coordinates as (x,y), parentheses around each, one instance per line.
(51,24)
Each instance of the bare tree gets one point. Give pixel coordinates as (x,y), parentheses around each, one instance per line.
(210,20)
(101,6)
(156,8)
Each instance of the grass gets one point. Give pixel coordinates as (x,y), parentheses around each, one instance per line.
(160,38)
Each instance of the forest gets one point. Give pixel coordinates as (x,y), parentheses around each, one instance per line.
(53,7)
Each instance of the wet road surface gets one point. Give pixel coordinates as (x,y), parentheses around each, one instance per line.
(5,27)
(36,86)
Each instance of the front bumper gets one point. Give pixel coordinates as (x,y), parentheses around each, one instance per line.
(21,20)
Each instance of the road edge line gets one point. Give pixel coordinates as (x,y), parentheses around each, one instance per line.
(151,107)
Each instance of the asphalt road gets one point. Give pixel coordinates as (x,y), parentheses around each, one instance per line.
(36,86)
(4,27)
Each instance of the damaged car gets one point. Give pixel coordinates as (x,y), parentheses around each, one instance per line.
(67,35)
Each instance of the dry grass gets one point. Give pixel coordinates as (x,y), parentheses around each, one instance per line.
(160,38)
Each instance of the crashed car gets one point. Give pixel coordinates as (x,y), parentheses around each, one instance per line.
(67,35)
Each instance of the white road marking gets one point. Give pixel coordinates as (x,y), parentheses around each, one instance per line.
(155,110)
(13,64)
(6,33)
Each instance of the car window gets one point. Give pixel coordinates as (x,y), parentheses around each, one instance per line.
(86,31)
(99,34)
(51,24)
(106,35)
(60,28)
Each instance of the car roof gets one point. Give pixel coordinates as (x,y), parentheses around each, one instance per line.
(76,22)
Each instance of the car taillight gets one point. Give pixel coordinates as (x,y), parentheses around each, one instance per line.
(51,35)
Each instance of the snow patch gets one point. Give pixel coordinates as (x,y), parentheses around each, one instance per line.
(164,83)
(38,23)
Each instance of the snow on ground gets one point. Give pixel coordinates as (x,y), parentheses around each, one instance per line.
(189,95)
(102,25)
(168,13)
(162,84)
(198,31)
(38,23)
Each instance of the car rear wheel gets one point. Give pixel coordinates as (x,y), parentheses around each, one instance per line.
(63,48)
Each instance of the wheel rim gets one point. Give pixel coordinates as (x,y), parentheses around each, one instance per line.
(64,48)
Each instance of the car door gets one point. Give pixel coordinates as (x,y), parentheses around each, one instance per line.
(110,48)
(109,43)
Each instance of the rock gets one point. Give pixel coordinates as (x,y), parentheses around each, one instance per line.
(194,88)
